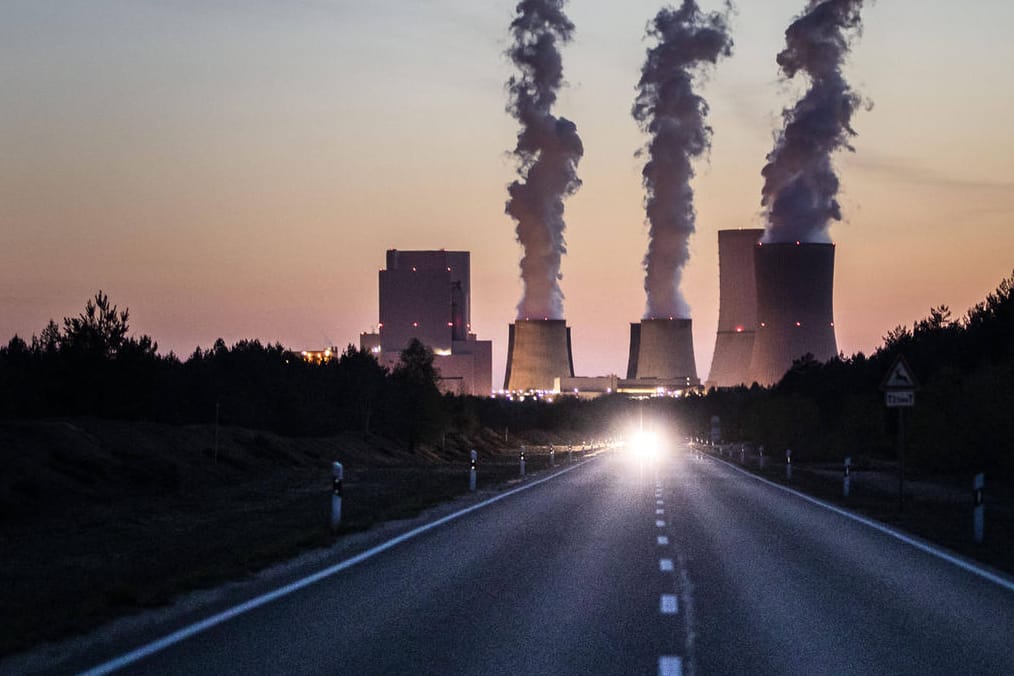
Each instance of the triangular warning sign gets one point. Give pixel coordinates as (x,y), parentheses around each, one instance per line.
(900,377)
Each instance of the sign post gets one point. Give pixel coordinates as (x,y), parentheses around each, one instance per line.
(899,386)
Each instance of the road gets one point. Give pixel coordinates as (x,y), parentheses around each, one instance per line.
(573,576)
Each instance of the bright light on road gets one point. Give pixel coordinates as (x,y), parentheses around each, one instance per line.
(645,445)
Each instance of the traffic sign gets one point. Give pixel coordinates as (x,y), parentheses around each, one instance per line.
(900,377)
(900,398)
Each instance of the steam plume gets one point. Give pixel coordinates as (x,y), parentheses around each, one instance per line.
(800,185)
(548,151)
(670,111)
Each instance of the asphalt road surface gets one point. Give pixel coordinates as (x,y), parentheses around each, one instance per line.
(686,567)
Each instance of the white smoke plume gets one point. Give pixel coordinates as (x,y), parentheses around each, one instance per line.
(548,151)
(673,114)
(800,184)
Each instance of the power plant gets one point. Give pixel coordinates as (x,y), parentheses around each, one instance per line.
(795,315)
(426,295)
(737,308)
(662,350)
(538,352)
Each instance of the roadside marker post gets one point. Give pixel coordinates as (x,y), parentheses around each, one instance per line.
(760,459)
(847,480)
(978,512)
(471,471)
(570,454)
(788,464)
(522,462)
(337,476)
(552,456)
(742,455)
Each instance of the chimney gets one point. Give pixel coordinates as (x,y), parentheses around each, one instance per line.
(737,308)
(795,287)
(538,351)
(662,349)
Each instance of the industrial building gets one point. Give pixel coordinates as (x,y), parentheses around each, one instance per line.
(538,353)
(427,295)
(737,308)
(795,312)
(661,356)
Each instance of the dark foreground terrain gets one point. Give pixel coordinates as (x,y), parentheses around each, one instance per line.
(99,519)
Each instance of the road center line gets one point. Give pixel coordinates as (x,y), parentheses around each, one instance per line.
(659,523)
(668,604)
(197,627)
(995,578)
(665,565)
(659,512)
(663,540)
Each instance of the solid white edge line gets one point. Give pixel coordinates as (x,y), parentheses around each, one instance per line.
(197,627)
(670,665)
(968,566)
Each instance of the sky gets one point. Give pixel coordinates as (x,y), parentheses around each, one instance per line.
(238,169)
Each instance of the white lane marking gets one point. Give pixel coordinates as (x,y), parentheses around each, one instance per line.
(663,540)
(995,578)
(175,637)
(665,565)
(660,502)
(659,523)
(668,604)
(670,665)
(660,512)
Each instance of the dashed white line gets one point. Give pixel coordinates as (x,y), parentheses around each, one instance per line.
(660,502)
(668,604)
(659,523)
(665,565)
(670,665)
(660,511)
(663,540)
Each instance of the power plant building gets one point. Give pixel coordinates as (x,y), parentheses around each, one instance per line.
(795,312)
(427,295)
(737,308)
(661,357)
(538,355)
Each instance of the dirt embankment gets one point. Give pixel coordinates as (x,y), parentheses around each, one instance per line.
(100,518)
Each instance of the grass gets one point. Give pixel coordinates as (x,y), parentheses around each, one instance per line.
(940,519)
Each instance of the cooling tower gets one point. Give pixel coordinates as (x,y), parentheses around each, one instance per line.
(662,349)
(737,308)
(795,285)
(538,351)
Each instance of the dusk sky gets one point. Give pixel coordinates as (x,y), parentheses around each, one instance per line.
(238,169)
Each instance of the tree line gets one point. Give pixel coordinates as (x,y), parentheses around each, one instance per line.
(962,421)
